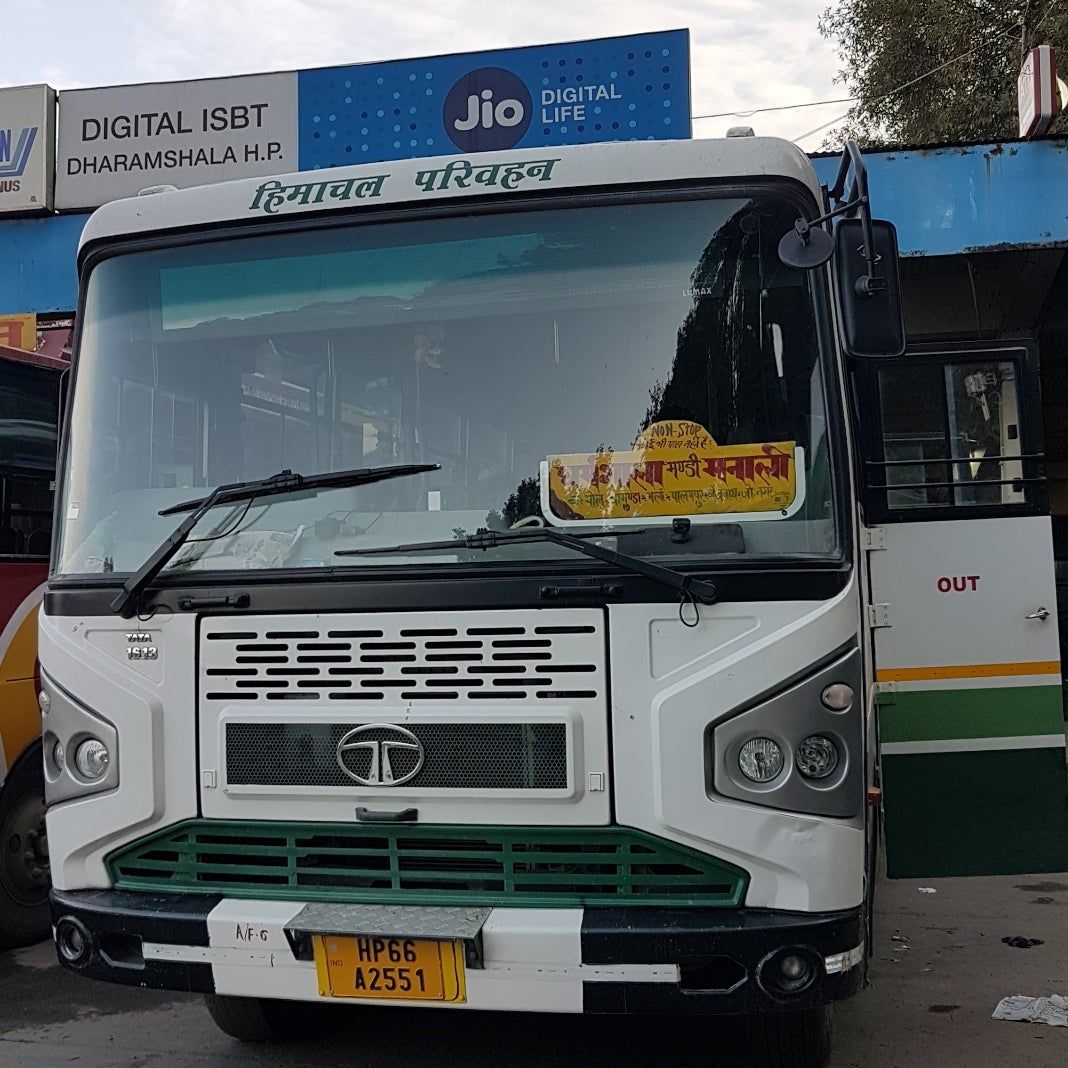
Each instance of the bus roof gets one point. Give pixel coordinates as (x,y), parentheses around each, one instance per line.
(518,171)
(33,359)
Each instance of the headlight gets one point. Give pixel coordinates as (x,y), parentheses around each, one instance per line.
(760,759)
(817,757)
(59,755)
(91,759)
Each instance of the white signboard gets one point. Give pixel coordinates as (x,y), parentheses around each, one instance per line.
(117,141)
(1036,92)
(27,143)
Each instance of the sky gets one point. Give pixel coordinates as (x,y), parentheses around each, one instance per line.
(745,54)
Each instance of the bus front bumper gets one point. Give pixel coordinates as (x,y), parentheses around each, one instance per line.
(596,960)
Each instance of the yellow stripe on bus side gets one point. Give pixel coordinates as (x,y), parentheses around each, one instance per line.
(969,671)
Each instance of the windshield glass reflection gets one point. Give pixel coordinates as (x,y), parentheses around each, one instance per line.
(619,366)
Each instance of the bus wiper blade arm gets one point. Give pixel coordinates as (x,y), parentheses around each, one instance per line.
(687,585)
(288,482)
(283,482)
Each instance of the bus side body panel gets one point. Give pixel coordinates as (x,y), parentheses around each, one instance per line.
(21,590)
(969,677)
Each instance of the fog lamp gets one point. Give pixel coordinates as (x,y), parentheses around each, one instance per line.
(817,757)
(838,697)
(761,759)
(92,759)
(73,941)
(59,754)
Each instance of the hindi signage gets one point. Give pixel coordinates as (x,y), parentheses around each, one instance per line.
(27,144)
(675,468)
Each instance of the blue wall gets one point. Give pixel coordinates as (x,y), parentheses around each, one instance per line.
(37,264)
(946,201)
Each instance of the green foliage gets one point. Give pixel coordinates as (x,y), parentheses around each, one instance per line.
(884,44)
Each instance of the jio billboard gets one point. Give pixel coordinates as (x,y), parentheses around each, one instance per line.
(612,89)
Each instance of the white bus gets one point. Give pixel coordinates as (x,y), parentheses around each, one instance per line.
(515,647)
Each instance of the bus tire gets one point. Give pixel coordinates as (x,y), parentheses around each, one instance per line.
(24,917)
(800,1039)
(260,1020)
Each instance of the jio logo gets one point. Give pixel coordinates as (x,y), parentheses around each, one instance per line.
(487,109)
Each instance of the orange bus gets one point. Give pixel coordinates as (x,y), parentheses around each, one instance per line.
(29,416)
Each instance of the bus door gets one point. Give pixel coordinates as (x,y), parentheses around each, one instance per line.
(963,613)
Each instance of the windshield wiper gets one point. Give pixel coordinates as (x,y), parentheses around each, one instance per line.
(284,482)
(690,588)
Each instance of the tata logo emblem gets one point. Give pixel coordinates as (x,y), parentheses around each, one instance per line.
(15,148)
(380,754)
(487,109)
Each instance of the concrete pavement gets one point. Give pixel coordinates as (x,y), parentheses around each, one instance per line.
(939,969)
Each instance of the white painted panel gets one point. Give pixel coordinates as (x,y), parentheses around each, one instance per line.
(659,726)
(252,925)
(1011,563)
(535,936)
(154,717)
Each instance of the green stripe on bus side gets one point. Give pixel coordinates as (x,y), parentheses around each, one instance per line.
(994,712)
(989,812)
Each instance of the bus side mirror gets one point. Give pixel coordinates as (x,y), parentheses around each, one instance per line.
(870,299)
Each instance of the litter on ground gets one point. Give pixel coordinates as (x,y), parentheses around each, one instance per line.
(1052,1010)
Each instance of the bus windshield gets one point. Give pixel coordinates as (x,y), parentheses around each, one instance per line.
(604,367)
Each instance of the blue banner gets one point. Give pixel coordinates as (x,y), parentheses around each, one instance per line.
(613,89)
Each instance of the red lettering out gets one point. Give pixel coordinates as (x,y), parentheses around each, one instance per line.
(958,583)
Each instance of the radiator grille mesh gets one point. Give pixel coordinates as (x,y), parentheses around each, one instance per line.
(457,756)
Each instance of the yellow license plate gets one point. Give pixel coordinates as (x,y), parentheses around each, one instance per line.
(369,966)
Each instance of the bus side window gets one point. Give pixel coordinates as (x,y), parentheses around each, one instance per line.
(950,437)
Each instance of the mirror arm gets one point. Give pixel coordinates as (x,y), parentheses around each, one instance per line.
(802,226)
(856,200)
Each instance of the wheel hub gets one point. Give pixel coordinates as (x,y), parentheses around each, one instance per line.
(24,851)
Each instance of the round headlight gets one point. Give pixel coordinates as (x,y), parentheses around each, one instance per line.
(838,697)
(760,759)
(817,757)
(59,754)
(92,758)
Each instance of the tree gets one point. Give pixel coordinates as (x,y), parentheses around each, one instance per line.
(886,45)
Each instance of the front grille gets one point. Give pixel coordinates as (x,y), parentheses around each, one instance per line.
(457,756)
(564,866)
(392,658)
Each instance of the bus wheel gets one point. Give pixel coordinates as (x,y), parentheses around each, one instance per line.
(262,1019)
(24,883)
(799,1039)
